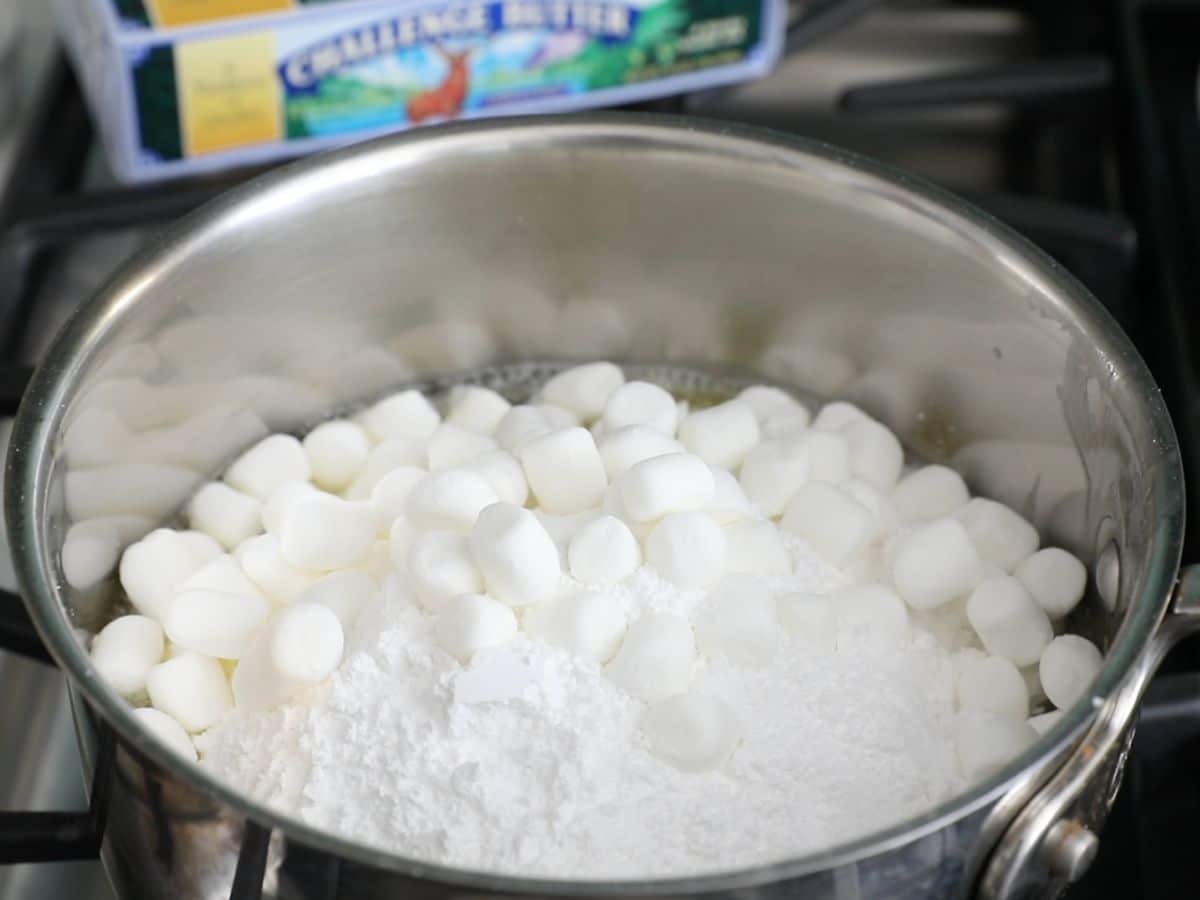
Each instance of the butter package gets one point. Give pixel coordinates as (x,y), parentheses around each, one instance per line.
(185,86)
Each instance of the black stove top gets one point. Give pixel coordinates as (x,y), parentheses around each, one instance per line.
(1076,122)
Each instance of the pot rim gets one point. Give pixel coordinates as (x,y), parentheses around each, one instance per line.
(54,383)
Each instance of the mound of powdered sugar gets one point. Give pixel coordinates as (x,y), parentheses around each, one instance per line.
(530,759)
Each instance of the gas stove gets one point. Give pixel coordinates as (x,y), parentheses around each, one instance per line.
(1074,122)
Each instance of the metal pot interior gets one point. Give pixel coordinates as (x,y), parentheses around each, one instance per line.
(322,286)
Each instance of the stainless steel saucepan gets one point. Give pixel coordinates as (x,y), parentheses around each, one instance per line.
(638,239)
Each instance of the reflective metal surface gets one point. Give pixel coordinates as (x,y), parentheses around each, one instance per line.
(638,239)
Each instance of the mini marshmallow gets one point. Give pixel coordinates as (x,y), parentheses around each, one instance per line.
(768,402)
(385,457)
(929,493)
(676,482)
(869,611)
(557,417)
(449,501)
(693,732)
(624,448)
(504,473)
(836,525)
(730,503)
(346,593)
(389,497)
(1067,667)
(152,568)
(755,547)
(990,684)
(587,624)
(879,503)
(1055,579)
(786,424)
(641,403)
(191,689)
(227,515)
(477,409)
(337,453)
(324,533)
(214,623)
(562,529)
(603,551)
(279,505)
(451,446)
(687,549)
(441,566)
(738,620)
(406,414)
(875,453)
(1044,722)
(520,425)
(518,558)
(300,646)
(934,564)
(721,435)
(125,650)
(584,390)
(470,622)
(828,455)
(273,461)
(810,620)
(985,742)
(999,534)
(837,415)
(1008,621)
(223,574)
(204,548)
(263,562)
(90,552)
(772,473)
(656,657)
(167,731)
(565,471)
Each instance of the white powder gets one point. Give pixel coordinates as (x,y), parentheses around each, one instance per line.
(531,761)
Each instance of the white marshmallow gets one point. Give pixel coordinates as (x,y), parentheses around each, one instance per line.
(721,435)
(557,417)
(1067,667)
(125,650)
(449,501)
(755,547)
(870,612)
(406,414)
(300,646)
(837,415)
(90,552)
(656,657)
(273,461)
(641,403)
(378,563)
(565,471)
(389,497)
(999,534)
(263,562)
(451,446)
(385,457)
(475,408)
(518,558)
(562,529)
(337,453)
(324,533)
(687,549)
(828,455)
(626,447)
(584,390)
(129,489)
(1055,579)
(167,731)
(990,684)
(985,742)
(346,593)
(730,503)
(279,505)
(227,515)
(440,566)
(587,624)
(215,622)
(934,564)
(1008,621)
(772,473)
(786,424)
(191,689)
(676,482)
(504,473)
(519,425)
(470,622)
(693,732)
(929,493)
(738,620)
(603,551)
(810,619)
(204,548)
(836,525)
(880,505)
(399,542)
(1044,722)
(875,453)
(768,402)
(152,568)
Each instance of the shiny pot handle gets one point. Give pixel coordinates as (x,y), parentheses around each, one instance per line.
(1052,839)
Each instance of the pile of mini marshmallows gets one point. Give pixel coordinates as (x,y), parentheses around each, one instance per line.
(501,518)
